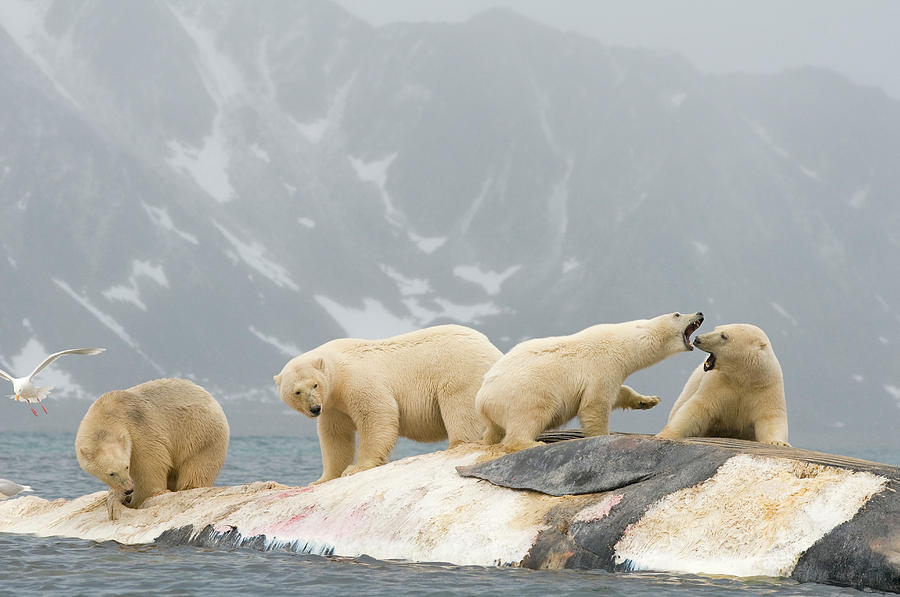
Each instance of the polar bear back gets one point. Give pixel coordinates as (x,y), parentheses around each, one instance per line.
(432,374)
(175,413)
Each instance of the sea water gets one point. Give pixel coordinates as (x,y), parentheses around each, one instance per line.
(59,566)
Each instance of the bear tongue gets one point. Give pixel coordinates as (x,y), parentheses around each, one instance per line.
(710,362)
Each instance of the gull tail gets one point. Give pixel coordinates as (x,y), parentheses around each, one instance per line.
(42,392)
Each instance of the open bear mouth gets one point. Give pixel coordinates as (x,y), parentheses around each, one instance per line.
(690,329)
(710,362)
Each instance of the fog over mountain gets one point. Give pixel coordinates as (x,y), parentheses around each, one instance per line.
(207,189)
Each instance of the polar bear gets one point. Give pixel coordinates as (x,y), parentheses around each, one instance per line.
(420,385)
(737,392)
(544,382)
(161,435)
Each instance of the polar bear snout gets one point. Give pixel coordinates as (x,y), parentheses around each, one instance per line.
(315,409)
(694,323)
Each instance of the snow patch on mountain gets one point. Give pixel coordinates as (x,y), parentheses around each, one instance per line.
(783,312)
(256,257)
(894,392)
(24,23)
(858,200)
(260,153)
(107,320)
(674,100)
(569,264)
(489,280)
(764,134)
(376,172)
(407,286)
(221,76)
(314,131)
(207,165)
(448,310)
(130,292)
(372,321)
(311,131)
(160,217)
(286,348)
(811,173)
(475,206)
(427,244)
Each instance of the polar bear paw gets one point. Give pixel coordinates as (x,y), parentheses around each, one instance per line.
(645,402)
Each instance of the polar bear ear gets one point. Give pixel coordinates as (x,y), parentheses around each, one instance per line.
(319,363)
(761,345)
(277,379)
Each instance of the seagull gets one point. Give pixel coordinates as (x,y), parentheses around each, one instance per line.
(9,489)
(27,391)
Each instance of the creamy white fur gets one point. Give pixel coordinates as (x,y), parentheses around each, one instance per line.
(742,396)
(161,435)
(420,385)
(545,382)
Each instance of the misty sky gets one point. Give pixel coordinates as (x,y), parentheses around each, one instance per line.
(860,39)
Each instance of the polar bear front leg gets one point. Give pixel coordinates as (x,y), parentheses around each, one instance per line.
(596,404)
(692,419)
(628,398)
(772,430)
(378,422)
(115,504)
(337,441)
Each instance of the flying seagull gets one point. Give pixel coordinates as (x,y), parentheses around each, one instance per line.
(9,489)
(25,390)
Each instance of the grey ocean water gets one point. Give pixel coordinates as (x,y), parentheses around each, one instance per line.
(56,566)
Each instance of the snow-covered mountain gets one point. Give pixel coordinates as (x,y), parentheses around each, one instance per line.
(208,189)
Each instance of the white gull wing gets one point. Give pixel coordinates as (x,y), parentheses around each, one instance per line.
(56,355)
(5,375)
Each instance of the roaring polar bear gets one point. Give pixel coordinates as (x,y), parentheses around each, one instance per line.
(545,382)
(737,392)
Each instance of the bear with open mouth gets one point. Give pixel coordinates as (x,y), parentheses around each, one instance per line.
(545,382)
(738,391)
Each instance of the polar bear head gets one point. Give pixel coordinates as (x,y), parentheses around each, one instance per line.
(737,349)
(301,384)
(671,332)
(106,454)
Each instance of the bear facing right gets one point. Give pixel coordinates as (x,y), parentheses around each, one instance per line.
(158,436)
(737,392)
(545,382)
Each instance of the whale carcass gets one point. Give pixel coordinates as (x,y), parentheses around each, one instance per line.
(622,502)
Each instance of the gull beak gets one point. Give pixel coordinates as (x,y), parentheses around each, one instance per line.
(17,396)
